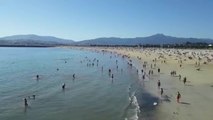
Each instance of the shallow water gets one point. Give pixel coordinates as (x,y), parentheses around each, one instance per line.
(92,95)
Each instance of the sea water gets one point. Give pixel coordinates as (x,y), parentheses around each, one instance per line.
(91,95)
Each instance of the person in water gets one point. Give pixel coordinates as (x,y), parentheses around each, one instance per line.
(178,97)
(25,102)
(73,76)
(34,97)
(63,86)
(37,77)
(159,84)
(109,70)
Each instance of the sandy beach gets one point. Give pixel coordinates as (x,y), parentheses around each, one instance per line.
(196,65)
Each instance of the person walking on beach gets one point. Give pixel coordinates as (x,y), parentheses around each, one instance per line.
(184,80)
(178,97)
(158,70)
(179,77)
(161,91)
(159,84)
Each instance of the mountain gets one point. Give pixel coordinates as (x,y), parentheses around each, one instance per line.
(157,39)
(154,40)
(33,40)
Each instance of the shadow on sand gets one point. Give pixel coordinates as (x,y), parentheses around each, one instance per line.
(166,98)
(185,103)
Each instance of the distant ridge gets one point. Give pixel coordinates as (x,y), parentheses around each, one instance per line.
(33,40)
(157,39)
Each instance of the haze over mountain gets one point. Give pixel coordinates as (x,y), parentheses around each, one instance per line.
(35,40)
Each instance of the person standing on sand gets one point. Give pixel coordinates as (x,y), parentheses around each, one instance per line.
(184,80)
(159,84)
(158,70)
(161,91)
(178,97)
(179,77)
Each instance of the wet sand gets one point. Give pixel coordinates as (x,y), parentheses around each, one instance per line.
(196,94)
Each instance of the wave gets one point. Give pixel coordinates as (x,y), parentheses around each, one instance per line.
(133,109)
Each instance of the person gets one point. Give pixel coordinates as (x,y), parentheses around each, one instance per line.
(73,76)
(112,76)
(63,86)
(109,70)
(184,80)
(161,91)
(143,77)
(37,77)
(25,102)
(158,70)
(34,97)
(57,69)
(178,97)
(179,77)
(159,84)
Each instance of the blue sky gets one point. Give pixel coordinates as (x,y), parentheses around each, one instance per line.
(87,19)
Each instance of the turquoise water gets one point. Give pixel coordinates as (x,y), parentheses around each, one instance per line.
(92,95)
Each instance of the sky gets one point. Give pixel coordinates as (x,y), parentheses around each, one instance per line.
(88,19)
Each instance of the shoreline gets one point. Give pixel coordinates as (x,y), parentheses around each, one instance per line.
(196,94)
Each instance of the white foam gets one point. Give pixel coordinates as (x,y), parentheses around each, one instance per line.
(134,108)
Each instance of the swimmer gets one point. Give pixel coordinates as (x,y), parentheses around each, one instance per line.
(34,97)
(63,86)
(73,76)
(25,102)
(37,77)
